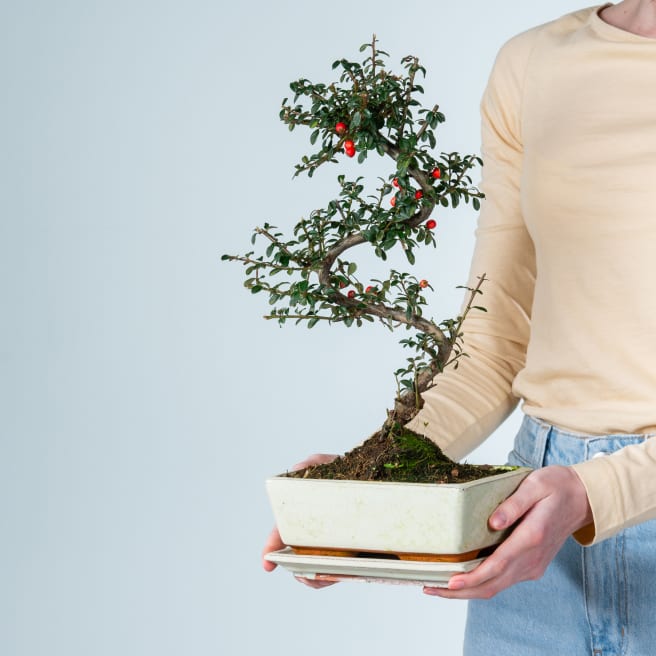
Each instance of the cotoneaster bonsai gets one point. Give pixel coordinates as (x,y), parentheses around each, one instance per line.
(311,277)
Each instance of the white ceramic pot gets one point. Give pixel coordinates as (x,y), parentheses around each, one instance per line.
(412,518)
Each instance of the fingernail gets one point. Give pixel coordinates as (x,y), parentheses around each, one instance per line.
(498,520)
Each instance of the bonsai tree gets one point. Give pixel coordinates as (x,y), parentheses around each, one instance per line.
(311,275)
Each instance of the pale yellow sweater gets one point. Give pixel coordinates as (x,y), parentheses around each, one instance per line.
(567,237)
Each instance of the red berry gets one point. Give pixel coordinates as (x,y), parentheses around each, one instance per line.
(340,128)
(436,173)
(395,182)
(351,294)
(419,194)
(423,284)
(393,201)
(349,144)
(350,152)
(342,284)
(431,223)
(369,289)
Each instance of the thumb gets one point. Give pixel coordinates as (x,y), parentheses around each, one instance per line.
(515,506)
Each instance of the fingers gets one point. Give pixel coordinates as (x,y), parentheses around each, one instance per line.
(481,583)
(524,555)
(273,543)
(517,505)
(315,459)
(315,584)
(548,506)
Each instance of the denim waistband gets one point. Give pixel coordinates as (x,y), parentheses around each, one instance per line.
(539,443)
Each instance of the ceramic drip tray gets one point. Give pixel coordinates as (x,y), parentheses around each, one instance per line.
(371,570)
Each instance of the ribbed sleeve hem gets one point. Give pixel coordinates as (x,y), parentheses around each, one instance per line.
(599,480)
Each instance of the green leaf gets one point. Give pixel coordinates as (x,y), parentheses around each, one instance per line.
(352,268)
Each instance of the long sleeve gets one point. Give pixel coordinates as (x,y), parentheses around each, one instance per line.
(566,238)
(621,489)
(468,403)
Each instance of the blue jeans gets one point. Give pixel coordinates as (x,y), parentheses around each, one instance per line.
(597,601)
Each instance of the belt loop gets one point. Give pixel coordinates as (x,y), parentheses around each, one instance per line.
(541,431)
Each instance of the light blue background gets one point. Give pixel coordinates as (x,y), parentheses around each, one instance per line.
(143,401)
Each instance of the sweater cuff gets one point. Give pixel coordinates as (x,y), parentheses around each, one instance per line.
(598,477)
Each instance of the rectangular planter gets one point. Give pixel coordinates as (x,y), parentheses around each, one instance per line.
(412,518)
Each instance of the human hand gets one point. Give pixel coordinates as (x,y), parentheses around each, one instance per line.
(550,504)
(274,541)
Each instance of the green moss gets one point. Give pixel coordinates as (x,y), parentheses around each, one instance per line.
(399,455)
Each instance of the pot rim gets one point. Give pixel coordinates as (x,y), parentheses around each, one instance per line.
(348,482)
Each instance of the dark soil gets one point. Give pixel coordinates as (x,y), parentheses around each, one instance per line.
(401,455)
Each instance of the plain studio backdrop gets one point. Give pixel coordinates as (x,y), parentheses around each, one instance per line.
(143,399)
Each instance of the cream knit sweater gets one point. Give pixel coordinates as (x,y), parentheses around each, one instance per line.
(567,238)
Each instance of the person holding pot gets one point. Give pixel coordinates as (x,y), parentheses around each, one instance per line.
(566,238)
